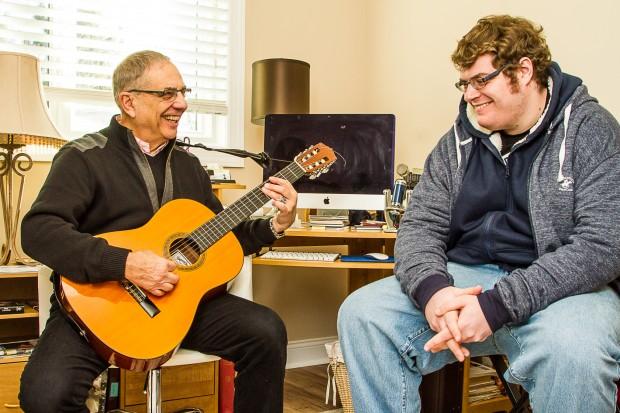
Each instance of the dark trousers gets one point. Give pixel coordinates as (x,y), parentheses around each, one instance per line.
(63,366)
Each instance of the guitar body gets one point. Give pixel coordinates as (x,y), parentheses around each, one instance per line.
(119,329)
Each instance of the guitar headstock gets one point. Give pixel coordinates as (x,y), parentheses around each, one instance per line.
(316,159)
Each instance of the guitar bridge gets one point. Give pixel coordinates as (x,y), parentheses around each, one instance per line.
(141,298)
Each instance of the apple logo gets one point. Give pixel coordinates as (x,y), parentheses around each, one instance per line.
(326,200)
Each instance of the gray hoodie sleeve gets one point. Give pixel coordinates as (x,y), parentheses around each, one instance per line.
(420,249)
(579,252)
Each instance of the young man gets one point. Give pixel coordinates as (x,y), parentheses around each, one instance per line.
(116,179)
(510,244)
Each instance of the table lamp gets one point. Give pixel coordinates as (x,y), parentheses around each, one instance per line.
(279,86)
(24,124)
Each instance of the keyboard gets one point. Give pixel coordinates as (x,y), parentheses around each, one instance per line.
(301,256)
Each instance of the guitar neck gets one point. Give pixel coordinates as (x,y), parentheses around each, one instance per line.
(214,229)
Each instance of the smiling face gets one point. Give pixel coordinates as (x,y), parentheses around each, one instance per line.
(499,105)
(151,118)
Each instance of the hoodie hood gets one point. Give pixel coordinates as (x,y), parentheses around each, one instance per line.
(561,88)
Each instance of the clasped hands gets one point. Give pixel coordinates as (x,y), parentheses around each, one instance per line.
(455,315)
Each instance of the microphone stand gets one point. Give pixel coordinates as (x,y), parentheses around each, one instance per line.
(262,158)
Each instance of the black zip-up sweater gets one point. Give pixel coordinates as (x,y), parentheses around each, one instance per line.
(103,182)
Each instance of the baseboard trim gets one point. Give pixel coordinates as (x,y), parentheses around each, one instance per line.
(310,352)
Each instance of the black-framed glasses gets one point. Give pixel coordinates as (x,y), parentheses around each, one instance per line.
(478,82)
(168,93)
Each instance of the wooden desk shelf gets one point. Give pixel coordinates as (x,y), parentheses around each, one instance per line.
(29,312)
(322,264)
(357,243)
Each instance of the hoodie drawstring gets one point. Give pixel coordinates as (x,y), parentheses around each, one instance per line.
(458,145)
(566,182)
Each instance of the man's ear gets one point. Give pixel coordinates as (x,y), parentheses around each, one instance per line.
(126,102)
(525,71)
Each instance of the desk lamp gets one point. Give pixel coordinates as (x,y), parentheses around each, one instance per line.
(24,125)
(279,86)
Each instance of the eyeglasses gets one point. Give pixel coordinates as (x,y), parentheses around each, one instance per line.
(478,82)
(168,93)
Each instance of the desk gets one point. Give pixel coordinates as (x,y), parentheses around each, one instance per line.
(357,242)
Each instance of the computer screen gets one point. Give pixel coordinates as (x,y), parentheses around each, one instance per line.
(364,144)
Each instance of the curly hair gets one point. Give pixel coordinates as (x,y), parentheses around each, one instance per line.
(509,39)
(128,71)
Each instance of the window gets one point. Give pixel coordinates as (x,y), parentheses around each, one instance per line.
(80,42)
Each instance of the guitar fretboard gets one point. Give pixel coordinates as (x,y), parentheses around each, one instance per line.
(214,229)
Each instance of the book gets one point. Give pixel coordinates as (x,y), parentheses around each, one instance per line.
(365,228)
(227,386)
(18,269)
(371,223)
(17,348)
(11,307)
(329,221)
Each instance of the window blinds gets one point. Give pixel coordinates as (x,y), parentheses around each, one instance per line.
(79,42)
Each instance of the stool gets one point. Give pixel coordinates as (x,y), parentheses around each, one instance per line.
(518,397)
(153,381)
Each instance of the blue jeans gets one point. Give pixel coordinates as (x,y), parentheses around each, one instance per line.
(566,356)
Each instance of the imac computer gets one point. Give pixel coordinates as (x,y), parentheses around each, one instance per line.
(364,146)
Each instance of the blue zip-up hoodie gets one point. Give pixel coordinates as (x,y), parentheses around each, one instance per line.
(491,223)
(566,184)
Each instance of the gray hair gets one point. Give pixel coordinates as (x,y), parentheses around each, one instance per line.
(131,69)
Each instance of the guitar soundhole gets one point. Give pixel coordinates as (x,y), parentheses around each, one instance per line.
(184,251)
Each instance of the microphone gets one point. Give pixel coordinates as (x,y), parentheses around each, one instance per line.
(260,158)
(400,186)
(402,169)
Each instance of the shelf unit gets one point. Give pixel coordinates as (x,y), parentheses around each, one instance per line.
(356,242)
(16,286)
(495,404)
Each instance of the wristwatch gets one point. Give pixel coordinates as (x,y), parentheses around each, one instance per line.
(275,233)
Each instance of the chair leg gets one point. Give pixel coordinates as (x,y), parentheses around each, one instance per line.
(153,391)
(518,397)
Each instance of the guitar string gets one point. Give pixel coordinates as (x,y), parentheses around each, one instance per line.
(214,230)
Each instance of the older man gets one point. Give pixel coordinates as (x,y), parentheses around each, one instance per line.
(510,244)
(116,179)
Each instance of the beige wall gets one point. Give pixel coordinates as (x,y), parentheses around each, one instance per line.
(332,37)
(392,56)
(413,76)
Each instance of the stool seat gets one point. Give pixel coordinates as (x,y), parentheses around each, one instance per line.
(184,356)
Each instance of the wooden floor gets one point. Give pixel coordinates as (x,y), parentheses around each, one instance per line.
(304,390)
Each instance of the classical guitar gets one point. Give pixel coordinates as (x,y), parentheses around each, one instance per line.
(135,330)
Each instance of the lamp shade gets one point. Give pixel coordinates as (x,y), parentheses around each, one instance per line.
(24,117)
(279,86)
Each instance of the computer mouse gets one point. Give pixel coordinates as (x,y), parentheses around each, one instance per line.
(377,255)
